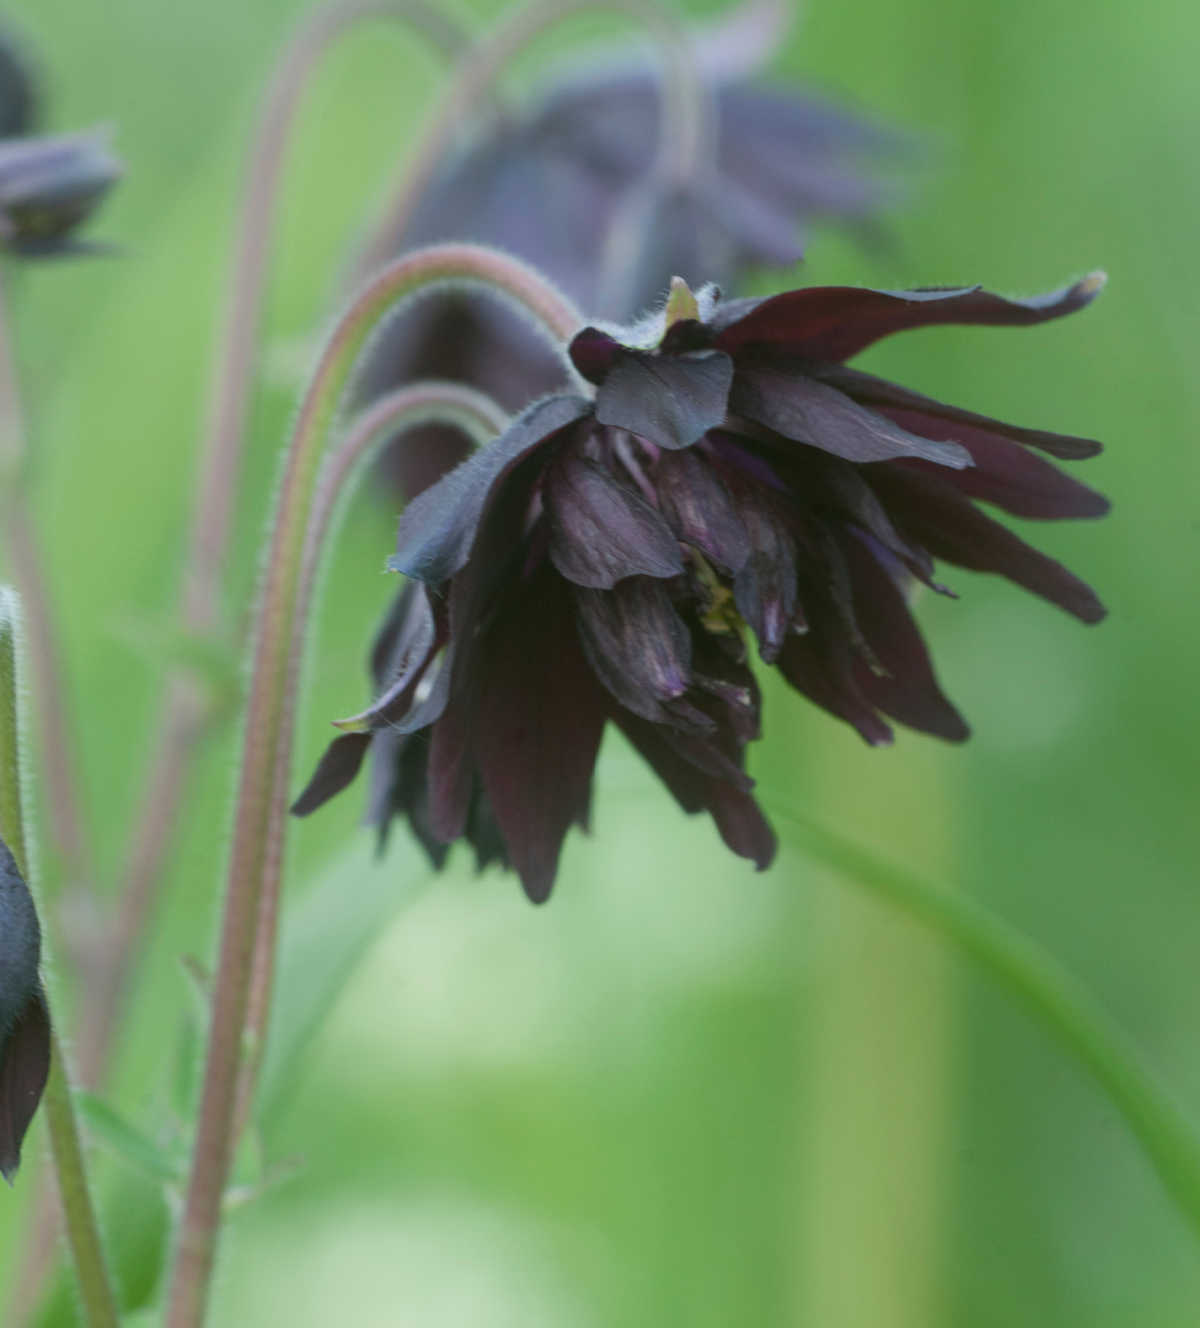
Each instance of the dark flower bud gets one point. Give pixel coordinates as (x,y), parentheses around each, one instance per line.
(24,1020)
(48,187)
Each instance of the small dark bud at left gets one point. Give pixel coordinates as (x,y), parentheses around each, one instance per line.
(24,1020)
(48,187)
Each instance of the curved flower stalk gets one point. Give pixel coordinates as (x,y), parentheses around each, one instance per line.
(608,559)
(256,857)
(184,707)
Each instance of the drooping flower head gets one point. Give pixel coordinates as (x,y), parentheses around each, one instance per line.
(24,1020)
(611,558)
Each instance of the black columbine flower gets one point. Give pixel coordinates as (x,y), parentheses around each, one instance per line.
(606,559)
(585,145)
(24,1020)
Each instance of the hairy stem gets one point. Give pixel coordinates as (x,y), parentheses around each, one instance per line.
(83,1234)
(405,408)
(1058,1000)
(71,851)
(185,709)
(261,791)
(79,1214)
(686,128)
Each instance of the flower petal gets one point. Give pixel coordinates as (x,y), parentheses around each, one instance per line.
(437,529)
(24,1068)
(929,509)
(602,530)
(699,508)
(537,729)
(765,587)
(636,644)
(821,664)
(593,353)
(737,817)
(335,771)
(1010,477)
(908,690)
(807,411)
(927,416)
(669,400)
(837,322)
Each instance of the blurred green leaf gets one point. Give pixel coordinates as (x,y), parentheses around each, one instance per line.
(110,1128)
(325,934)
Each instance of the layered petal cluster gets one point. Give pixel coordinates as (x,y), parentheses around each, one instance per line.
(585,147)
(611,559)
(24,1020)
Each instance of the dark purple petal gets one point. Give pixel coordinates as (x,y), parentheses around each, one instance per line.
(399,788)
(930,510)
(1010,477)
(837,322)
(538,725)
(669,400)
(437,529)
(593,353)
(335,771)
(451,767)
(800,408)
(24,1022)
(832,487)
(699,509)
(928,416)
(24,1068)
(765,587)
(686,782)
(734,811)
(603,530)
(636,644)
(822,664)
(908,690)
(742,825)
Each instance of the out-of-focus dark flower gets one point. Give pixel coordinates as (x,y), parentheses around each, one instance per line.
(49,186)
(606,559)
(24,1021)
(557,183)
(18,88)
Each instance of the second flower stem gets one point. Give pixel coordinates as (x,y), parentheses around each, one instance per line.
(1057,999)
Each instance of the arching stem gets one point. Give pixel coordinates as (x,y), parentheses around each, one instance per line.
(185,709)
(406,408)
(262,783)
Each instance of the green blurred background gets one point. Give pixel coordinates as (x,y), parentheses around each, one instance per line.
(682,1093)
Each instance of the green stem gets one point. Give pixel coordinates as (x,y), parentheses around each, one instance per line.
(83,1233)
(1056,998)
(261,791)
(186,712)
(481,419)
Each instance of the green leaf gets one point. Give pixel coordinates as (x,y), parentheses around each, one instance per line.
(127,1141)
